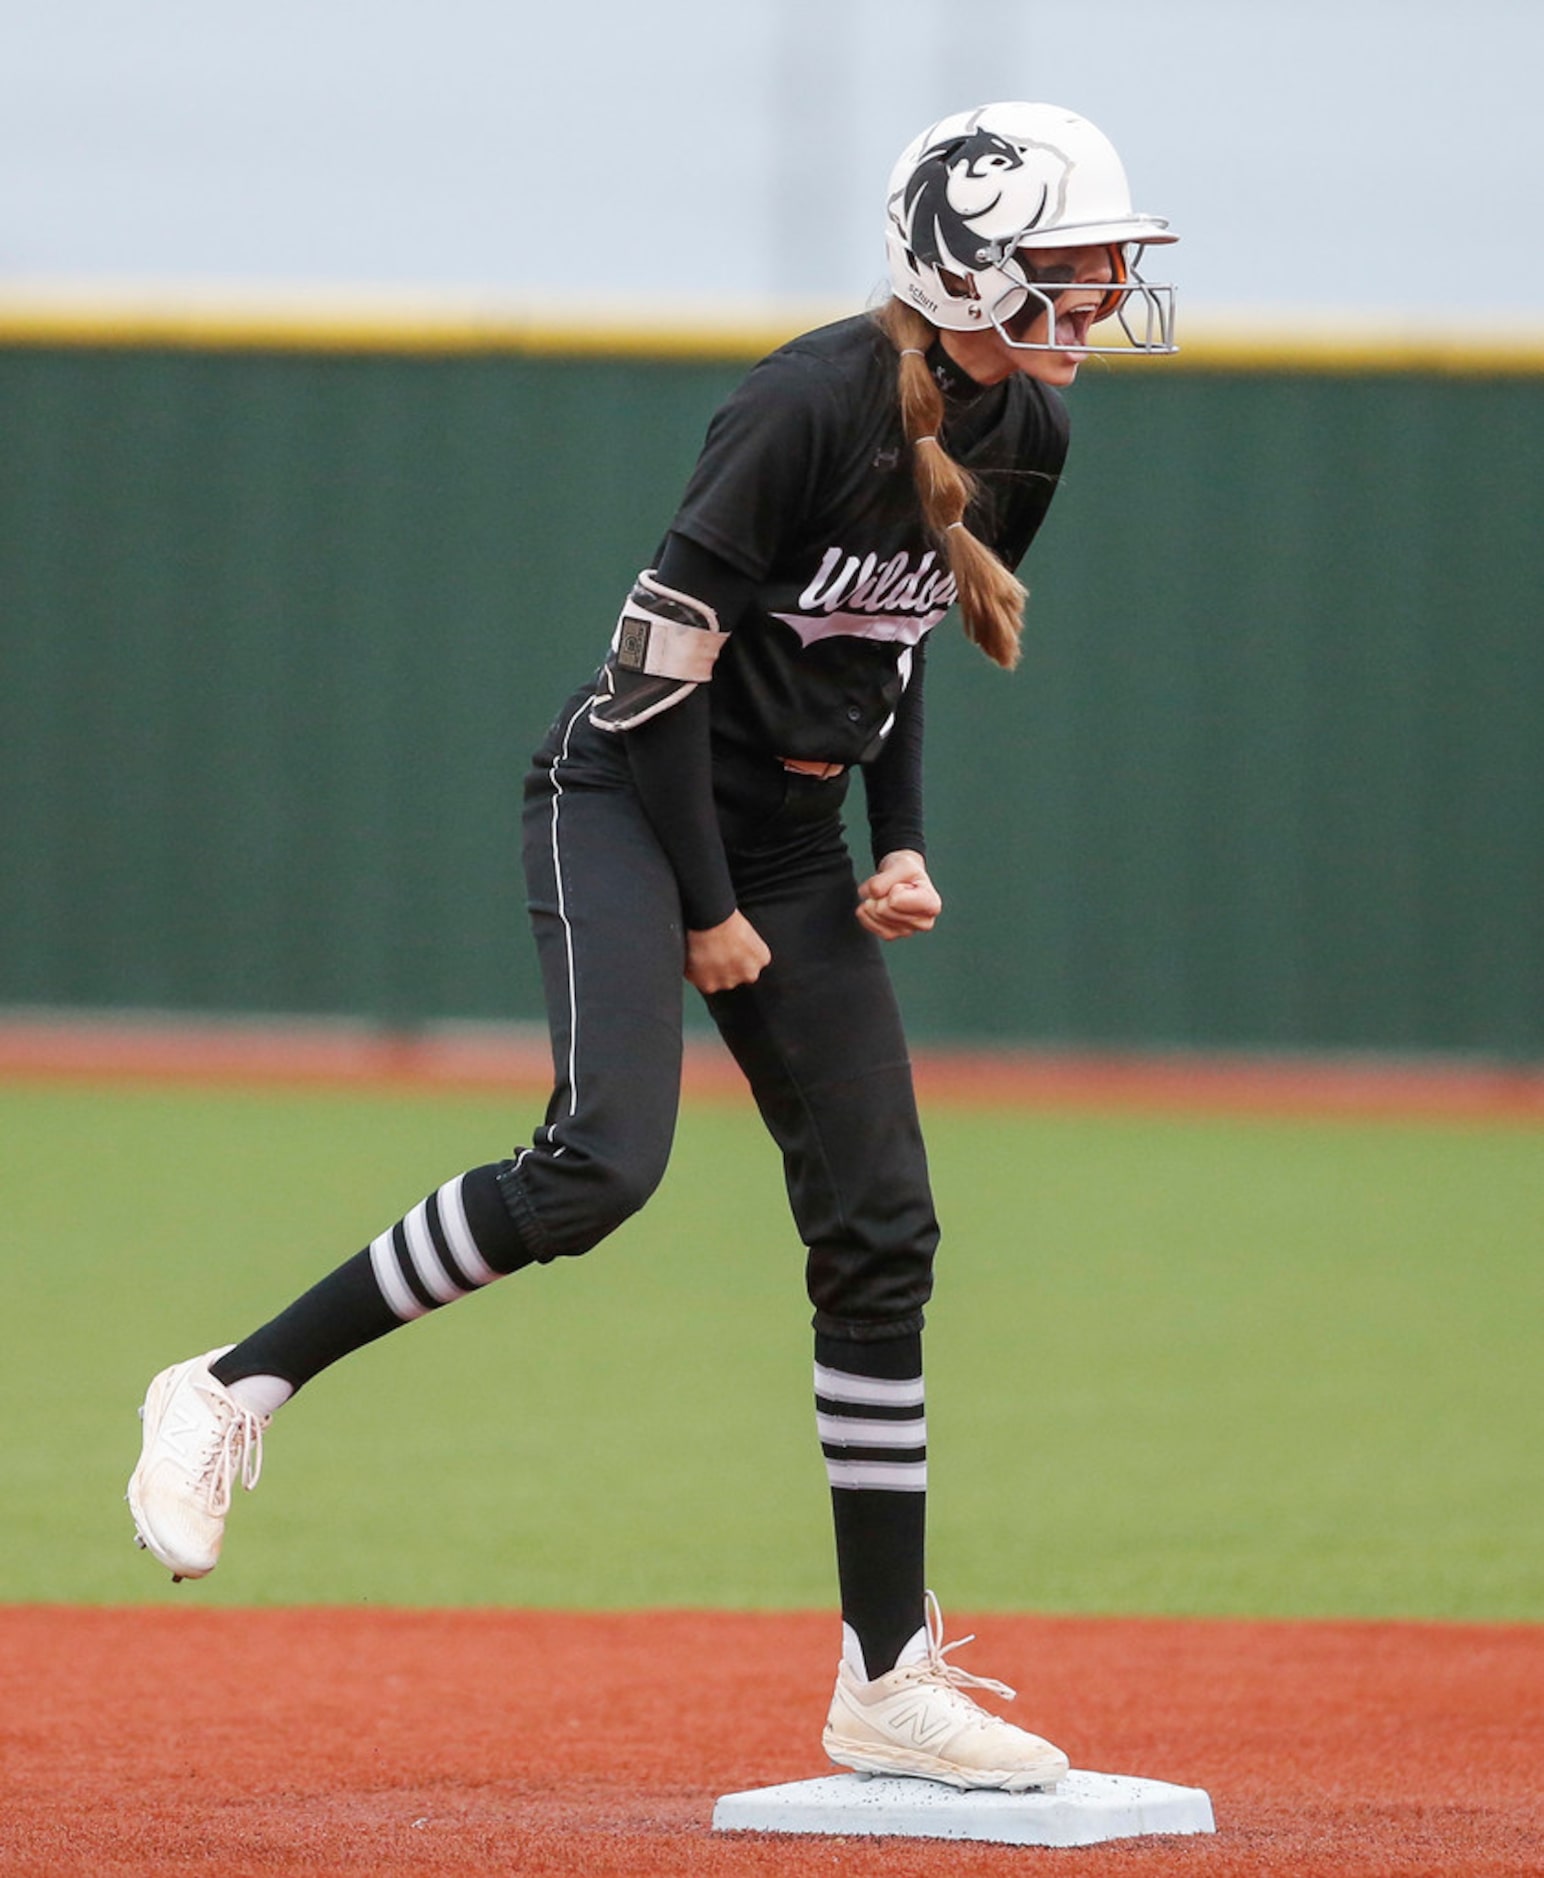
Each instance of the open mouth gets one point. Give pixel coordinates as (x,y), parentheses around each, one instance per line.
(1067,332)
(1071,332)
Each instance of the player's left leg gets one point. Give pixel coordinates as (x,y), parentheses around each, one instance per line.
(820,1039)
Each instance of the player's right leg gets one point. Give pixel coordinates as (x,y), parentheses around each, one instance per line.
(606,914)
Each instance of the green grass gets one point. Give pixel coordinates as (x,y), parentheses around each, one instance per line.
(1174,1365)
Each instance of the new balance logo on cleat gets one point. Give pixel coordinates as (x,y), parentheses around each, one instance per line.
(921,1726)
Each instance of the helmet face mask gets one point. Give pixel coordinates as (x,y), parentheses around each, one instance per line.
(977,193)
(1143,310)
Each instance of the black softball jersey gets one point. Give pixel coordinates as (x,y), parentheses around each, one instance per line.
(801,528)
(804,486)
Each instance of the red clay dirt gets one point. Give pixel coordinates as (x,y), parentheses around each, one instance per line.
(330,1054)
(433,1742)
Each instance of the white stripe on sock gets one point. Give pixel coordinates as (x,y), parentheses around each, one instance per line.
(887,1476)
(426,1260)
(458,1234)
(436,1279)
(852,1433)
(388,1275)
(836,1385)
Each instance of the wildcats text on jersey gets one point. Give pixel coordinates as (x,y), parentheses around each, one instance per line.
(869,598)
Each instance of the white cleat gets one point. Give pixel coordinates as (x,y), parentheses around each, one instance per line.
(198,1442)
(918,1720)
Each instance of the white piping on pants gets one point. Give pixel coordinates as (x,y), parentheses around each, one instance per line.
(568,934)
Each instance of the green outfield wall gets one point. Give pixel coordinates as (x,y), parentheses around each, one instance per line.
(282,613)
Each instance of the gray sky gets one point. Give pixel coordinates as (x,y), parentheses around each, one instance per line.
(1371,154)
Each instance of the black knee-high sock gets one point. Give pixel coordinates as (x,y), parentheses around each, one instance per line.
(458,1239)
(868,1402)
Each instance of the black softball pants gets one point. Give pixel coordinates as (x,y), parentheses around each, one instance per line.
(818,1036)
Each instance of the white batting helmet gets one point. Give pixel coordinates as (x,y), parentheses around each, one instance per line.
(977,190)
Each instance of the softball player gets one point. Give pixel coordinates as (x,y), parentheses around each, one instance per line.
(683,819)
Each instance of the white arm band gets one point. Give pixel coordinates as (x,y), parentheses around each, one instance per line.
(665,644)
(666,634)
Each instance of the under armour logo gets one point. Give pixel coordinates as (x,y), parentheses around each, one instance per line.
(886,459)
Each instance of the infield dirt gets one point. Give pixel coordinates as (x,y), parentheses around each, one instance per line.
(250,1054)
(360,1741)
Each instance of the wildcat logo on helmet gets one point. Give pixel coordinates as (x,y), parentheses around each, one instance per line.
(960,181)
(977,188)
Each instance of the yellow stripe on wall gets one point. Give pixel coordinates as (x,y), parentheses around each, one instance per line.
(386,327)
(1363,348)
(1312,343)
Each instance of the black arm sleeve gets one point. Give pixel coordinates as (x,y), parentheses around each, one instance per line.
(670,754)
(893,781)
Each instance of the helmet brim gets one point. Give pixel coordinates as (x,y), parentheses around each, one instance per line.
(1147,230)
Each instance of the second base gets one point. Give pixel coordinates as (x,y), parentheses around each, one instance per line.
(1083,1809)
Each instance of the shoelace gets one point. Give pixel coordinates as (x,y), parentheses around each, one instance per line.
(933,1667)
(237,1453)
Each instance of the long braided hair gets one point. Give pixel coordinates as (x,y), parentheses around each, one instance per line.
(991,600)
